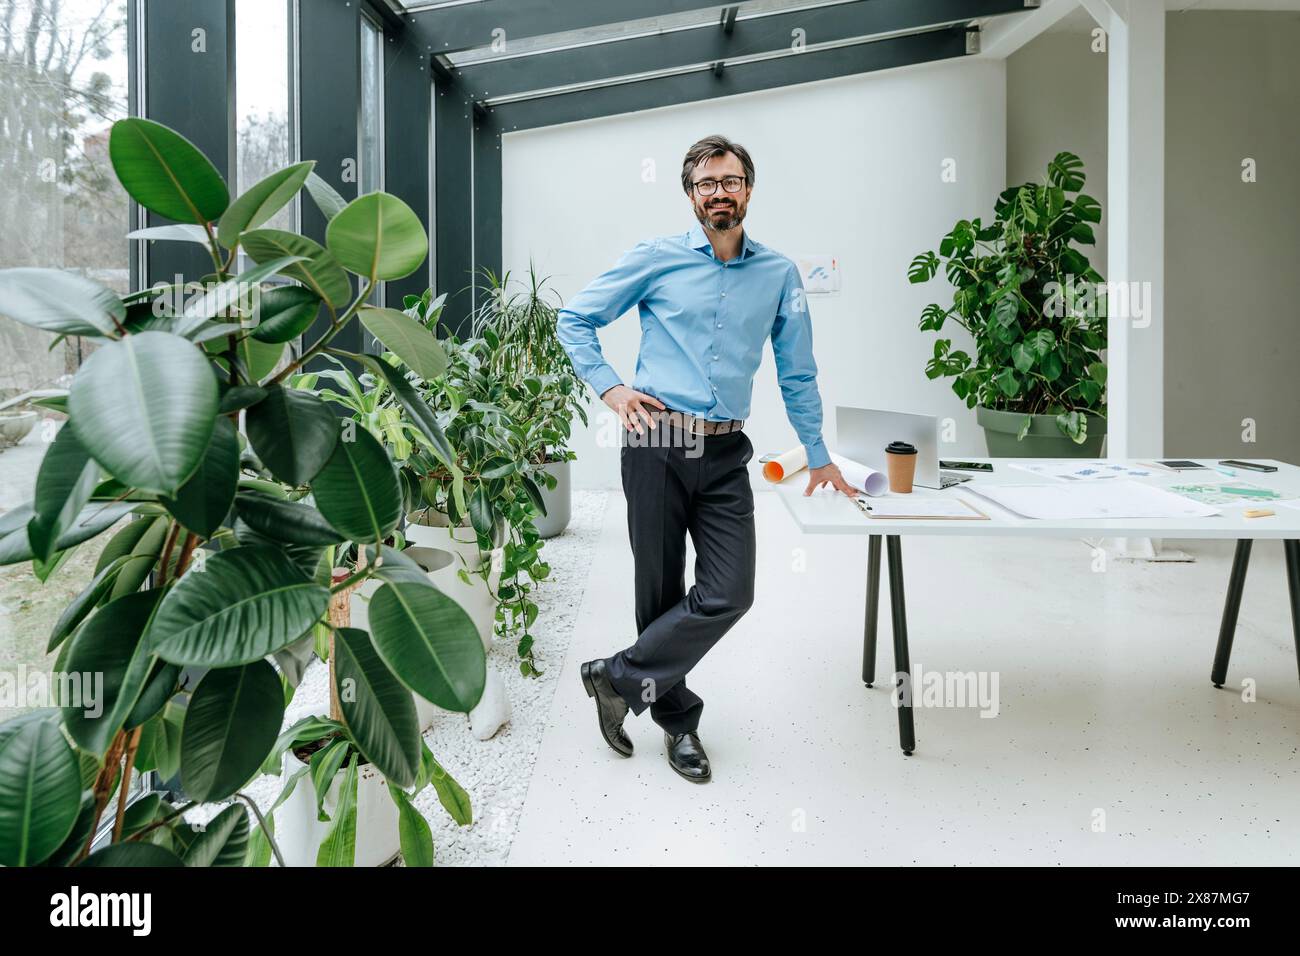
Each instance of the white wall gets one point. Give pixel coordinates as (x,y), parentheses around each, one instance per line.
(849,167)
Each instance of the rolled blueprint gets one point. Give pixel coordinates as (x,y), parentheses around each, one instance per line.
(866,480)
(792,462)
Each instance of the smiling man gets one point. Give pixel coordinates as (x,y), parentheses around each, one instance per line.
(708,300)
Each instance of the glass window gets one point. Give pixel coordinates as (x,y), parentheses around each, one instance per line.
(263,105)
(371,160)
(370,126)
(64,80)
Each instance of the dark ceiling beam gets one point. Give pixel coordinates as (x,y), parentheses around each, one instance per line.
(468,25)
(745,77)
(599,62)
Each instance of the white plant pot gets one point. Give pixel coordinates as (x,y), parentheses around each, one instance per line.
(299,834)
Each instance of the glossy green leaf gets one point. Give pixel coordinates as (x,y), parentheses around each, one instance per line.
(416,408)
(177,232)
(378,709)
(138,853)
(451,794)
(326,197)
(59,301)
(110,648)
(430,643)
(64,483)
(320,271)
(261,201)
(413,831)
(166,173)
(230,725)
(407,339)
(245,603)
(203,502)
(223,841)
(358,491)
(293,433)
(144,407)
(80,606)
(285,312)
(238,292)
(239,397)
(279,519)
(378,236)
(339,848)
(40,789)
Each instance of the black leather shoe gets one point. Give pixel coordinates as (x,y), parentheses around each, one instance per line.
(611,708)
(686,755)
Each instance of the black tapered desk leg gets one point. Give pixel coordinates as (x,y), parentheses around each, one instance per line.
(873,611)
(1231,605)
(902,663)
(1292,550)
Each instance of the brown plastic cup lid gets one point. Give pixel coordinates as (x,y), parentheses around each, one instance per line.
(900,448)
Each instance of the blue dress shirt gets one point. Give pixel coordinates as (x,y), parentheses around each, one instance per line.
(703,325)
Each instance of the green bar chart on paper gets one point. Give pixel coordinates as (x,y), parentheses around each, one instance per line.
(1227,494)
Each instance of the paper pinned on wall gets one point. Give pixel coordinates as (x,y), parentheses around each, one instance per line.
(820,274)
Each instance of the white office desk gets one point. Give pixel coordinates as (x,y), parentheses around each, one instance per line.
(831,512)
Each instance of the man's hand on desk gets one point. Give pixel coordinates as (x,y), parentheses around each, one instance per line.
(829,472)
(629,403)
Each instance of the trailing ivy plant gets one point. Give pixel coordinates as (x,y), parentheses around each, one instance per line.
(1029,298)
(239,488)
(496,458)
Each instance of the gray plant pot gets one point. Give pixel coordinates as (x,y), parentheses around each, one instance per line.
(1044,439)
(559,503)
(15,426)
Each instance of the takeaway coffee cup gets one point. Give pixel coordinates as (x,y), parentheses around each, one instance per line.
(900,462)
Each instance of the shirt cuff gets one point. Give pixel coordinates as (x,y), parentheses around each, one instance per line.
(817,454)
(603,379)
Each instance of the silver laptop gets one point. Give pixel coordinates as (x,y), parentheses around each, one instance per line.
(863,434)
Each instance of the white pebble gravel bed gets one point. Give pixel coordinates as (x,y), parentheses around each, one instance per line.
(496,772)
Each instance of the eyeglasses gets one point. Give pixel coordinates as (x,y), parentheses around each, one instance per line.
(732,184)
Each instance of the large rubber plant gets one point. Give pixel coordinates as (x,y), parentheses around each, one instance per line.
(225,492)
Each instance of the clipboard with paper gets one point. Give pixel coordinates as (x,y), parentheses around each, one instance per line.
(920,507)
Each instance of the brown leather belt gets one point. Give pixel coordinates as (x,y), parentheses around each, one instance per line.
(696,425)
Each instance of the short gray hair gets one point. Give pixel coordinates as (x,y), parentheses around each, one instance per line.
(712,146)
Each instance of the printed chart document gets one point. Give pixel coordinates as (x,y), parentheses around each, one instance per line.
(1083,470)
(1120,498)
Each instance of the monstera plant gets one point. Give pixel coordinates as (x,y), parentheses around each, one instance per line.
(239,490)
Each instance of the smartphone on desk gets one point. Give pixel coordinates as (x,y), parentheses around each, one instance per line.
(1248,465)
(966,465)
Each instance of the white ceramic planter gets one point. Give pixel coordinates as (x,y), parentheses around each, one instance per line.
(299,834)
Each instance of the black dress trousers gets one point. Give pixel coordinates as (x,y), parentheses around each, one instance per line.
(678,484)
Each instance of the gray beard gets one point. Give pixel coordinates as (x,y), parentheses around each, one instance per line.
(708,222)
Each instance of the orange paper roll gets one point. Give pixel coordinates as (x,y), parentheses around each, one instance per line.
(792,462)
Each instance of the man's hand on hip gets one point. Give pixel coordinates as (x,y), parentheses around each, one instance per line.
(829,472)
(631,406)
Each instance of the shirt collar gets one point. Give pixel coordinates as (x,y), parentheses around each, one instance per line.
(698,240)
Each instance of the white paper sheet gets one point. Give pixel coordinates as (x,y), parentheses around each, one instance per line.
(1092,499)
(866,480)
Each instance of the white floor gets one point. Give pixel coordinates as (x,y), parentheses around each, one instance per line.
(1110,745)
